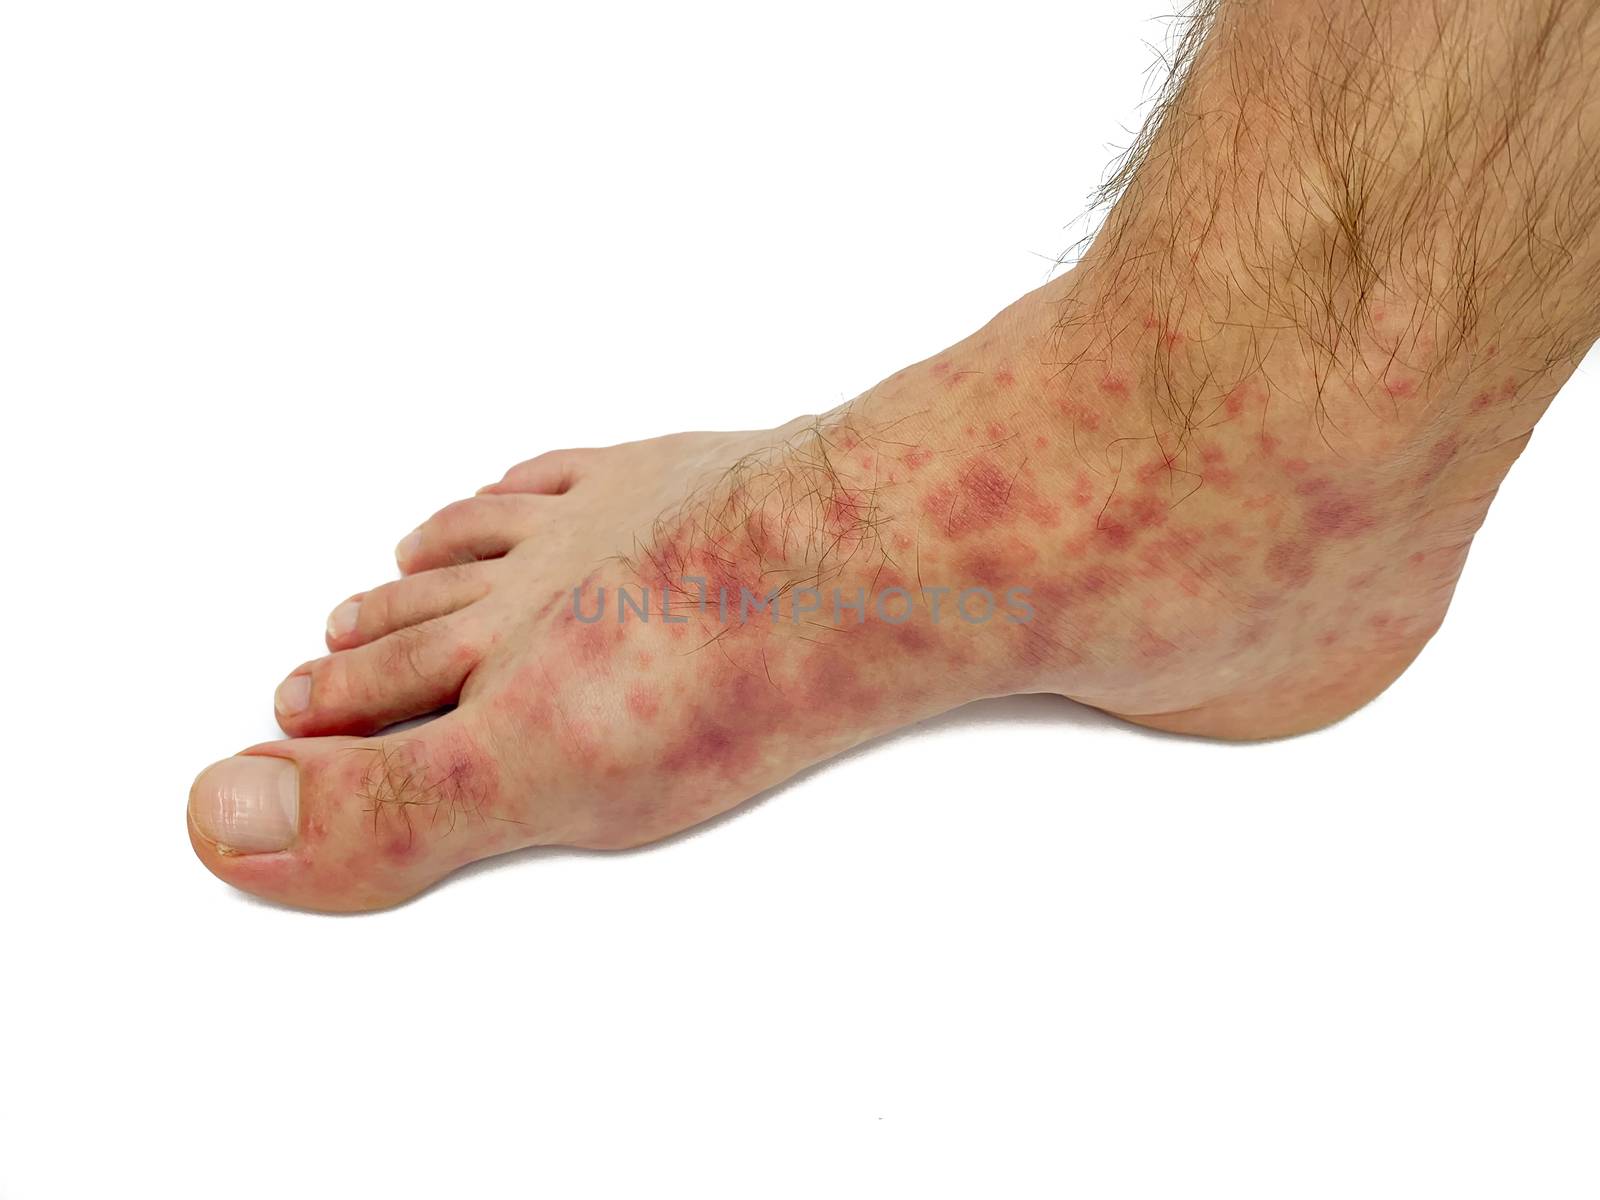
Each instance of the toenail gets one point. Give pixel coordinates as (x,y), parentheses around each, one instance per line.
(343,621)
(293,695)
(409,545)
(249,804)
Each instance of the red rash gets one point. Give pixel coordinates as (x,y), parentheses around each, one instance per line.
(1489,398)
(1149,512)
(1082,491)
(1114,533)
(998,568)
(1332,515)
(1439,457)
(1290,563)
(985,497)
(643,702)
(1084,418)
(595,644)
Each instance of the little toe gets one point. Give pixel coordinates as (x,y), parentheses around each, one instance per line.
(407,673)
(344,824)
(478,528)
(410,601)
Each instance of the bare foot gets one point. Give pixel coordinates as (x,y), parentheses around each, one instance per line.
(1031,511)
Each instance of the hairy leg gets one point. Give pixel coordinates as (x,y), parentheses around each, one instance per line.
(1233,461)
(1369,231)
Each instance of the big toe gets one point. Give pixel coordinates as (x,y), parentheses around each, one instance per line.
(343,824)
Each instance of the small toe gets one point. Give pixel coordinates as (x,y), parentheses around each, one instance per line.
(479,528)
(410,601)
(345,824)
(407,673)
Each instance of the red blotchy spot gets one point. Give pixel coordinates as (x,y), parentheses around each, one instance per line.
(1113,385)
(708,747)
(1081,416)
(1440,456)
(1399,388)
(1153,470)
(1040,442)
(1003,378)
(595,644)
(913,636)
(866,461)
(1333,515)
(401,845)
(983,498)
(941,367)
(1113,533)
(1153,645)
(831,683)
(998,568)
(917,458)
(1216,472)
(1269,445)
(996,431)
(902,541)
(1290,563)
(1233,404)
(1295,466)
(643,702)
(1148,512)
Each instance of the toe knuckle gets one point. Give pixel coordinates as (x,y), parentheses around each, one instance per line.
(460,511)
(377,609)
(330,684)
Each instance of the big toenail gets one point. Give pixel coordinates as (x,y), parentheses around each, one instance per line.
(343,621)
(249,804)
(409,545)
(294,694)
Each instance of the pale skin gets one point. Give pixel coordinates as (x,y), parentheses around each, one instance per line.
(1237,456)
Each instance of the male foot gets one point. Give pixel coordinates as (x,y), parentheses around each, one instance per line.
(1014,515)
(1233,462)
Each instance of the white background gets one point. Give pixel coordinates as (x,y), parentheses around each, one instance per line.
(278,280)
